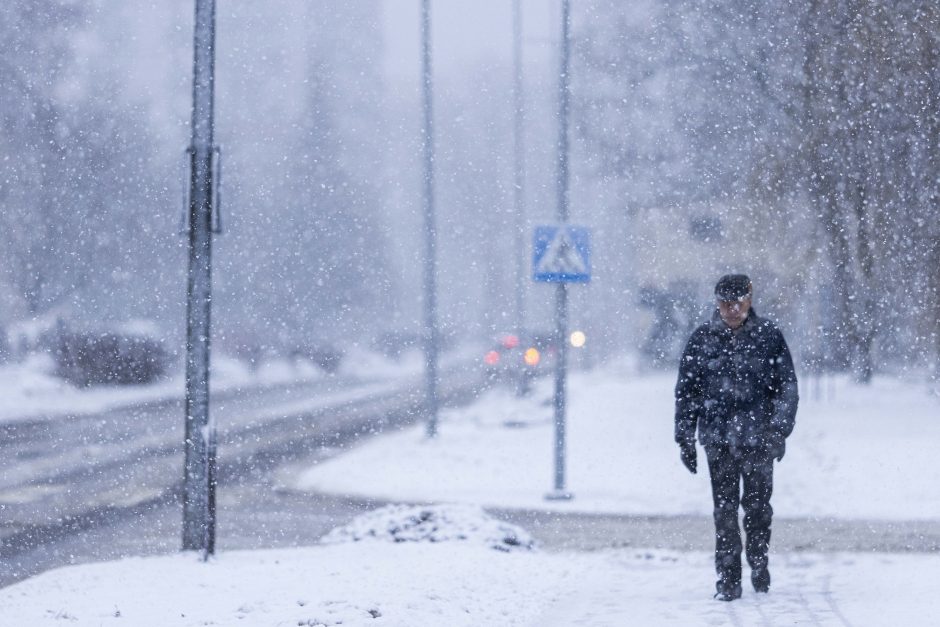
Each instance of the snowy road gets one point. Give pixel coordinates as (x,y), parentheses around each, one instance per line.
(65,466)
(63,476)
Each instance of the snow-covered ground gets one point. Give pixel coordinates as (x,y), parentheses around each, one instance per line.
(856,453)
(437,566)
(29,390)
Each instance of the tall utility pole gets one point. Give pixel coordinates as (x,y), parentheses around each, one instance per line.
(199,472)
(519,164)
(430,235)
(561,295)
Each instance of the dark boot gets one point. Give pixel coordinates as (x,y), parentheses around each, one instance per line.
(760,578)
(728,586)
(728,592)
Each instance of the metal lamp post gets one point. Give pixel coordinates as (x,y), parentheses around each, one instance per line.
(431,339)
(561,293)
(200,443)
(518,164)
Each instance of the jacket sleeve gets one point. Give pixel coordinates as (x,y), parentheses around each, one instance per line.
(689,399)
(786,397)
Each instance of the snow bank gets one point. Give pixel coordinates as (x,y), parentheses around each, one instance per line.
(433,523)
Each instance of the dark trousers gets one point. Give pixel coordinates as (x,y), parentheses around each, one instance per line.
(728,468)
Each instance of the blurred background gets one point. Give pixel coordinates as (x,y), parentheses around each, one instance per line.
(795,142)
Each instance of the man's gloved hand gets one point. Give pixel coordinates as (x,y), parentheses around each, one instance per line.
(777,446)
(688,456)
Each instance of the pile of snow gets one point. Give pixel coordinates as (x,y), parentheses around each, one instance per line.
(433,523)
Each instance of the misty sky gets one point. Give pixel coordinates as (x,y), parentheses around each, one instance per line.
(466,31)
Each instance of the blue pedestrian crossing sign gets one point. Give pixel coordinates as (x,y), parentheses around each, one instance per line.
(561,254)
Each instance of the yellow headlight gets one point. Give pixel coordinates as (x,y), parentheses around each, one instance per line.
(532,357)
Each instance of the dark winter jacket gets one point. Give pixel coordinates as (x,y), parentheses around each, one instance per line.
(738,388)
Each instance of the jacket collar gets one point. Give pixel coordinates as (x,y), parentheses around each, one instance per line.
(718,324)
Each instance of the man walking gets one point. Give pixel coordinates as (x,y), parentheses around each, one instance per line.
(737,387)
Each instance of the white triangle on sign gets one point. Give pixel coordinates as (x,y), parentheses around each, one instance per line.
(562,257)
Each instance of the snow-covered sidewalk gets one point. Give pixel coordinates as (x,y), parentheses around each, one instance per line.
(865,453)
(459,579)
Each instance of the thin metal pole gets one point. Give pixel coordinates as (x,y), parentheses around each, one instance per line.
(561,311)
(519,164)
(561,299)
(430,260)
(563,97)
(199,471)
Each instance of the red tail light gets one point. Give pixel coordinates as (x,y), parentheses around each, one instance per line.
(491,358)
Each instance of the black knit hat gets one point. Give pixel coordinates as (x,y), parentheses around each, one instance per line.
(733,287)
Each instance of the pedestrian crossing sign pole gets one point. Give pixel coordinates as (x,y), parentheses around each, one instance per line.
(561,254)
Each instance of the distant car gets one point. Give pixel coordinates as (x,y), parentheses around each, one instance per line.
(516,359)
